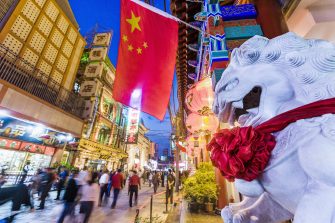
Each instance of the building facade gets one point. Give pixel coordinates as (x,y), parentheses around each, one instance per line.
(139,153)
(40,49)
(103,139)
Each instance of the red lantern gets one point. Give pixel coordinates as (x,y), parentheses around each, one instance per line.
(199,98)
(202,124)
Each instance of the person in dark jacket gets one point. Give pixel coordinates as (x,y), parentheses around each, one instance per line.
(61,181)
(46,184)
(69,197)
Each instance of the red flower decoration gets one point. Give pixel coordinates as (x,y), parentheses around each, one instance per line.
(241,153)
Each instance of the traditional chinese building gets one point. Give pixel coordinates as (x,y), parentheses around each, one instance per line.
(103,138)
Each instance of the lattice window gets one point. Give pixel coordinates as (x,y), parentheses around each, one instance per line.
(30,56)
(40,2)
(72,35)
(31,11)
(51,53)
(52,11)
(45,67)
(57,38)
(62,24)
(37,41)
(67,48)
(12,43)
(62,63)
(57,76)
(45,25)
(21,28)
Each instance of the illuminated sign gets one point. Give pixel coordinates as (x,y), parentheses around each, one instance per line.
(9,144)
(32,148)
(132,126)
(30,132)
(26,147)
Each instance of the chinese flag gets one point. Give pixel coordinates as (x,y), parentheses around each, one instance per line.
(146,58)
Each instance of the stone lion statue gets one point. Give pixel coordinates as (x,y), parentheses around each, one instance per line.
(285,72)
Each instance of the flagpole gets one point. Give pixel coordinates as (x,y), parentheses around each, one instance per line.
(167,15)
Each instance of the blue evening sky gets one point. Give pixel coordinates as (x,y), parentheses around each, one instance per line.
(105,14)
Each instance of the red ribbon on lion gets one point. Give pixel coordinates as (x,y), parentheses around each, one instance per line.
(243,153)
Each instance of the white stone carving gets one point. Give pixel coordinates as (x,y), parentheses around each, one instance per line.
(299,181)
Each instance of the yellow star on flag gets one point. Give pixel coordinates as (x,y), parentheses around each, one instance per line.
(125,38)
(134,22)
(145,45)
(139,50)
(130,47)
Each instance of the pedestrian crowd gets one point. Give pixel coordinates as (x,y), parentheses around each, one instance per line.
(84,189)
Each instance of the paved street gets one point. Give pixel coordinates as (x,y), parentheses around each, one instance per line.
(122,213)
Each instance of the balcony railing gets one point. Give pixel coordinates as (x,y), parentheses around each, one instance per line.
(22,74)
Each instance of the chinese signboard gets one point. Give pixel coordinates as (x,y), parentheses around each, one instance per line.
(26,147)
(132,126)
(98,54)
(94,70)
(27,131)
(10,144)
(102,39)
(90,88)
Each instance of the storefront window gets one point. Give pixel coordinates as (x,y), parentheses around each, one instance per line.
(14,161)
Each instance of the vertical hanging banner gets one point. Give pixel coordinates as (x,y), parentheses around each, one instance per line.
(146,57)
(132,126)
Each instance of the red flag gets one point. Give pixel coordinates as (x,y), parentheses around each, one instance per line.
(146,59)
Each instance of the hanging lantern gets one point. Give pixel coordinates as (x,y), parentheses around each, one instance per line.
(199,99)
(201,124)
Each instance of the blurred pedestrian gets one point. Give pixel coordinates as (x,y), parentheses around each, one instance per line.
(150,176)
(83,176)
(155,180)
(134,185)
(35,181)
(61,181)
(89,197)
(170,186)
(46,184)
(103,183)
(162,178)
(117,183)
(144,176)
(20,196)
(69,197)
(109,187)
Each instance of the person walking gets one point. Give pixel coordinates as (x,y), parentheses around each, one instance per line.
(33,186)
(69,197)
(162,178)
(134,185)
(150,176)
(46,184)
(25,171)
(117,183)
(61,181)
(170,186)
(103,182)
(155,180)
(89,197)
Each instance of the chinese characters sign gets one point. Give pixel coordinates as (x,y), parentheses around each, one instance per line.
(26,147)
(132,126)
(26,131)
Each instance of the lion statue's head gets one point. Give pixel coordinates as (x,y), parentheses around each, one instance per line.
(268,77)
